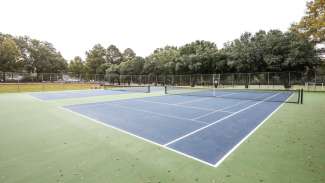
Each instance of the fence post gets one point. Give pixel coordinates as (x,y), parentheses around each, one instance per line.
(268,79)
(315,78)
(249,79)
(213,81)
(18,86)
(289,80)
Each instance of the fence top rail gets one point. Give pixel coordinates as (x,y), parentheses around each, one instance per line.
(153,75)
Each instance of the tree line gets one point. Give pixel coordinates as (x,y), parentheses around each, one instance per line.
(24,54)
(274,50)
(263,51)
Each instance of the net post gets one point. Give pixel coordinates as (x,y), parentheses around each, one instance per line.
(149,89)
(166,90)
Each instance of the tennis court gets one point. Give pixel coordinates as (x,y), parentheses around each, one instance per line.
(110,90)
(203,125)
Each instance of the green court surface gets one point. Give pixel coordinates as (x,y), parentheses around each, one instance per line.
(40,142)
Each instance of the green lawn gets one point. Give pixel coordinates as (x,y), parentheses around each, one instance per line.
(39,142)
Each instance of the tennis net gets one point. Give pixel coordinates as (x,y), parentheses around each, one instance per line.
(128,88)
(287,96)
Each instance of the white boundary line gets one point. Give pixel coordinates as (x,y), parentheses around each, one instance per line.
(38,99)
(220,110)
(249,134)
(218,121)
(201,99)
(177,105)
(67,92)
(223,109)
(190,101)
(173,150)
(156,113)
(129,133)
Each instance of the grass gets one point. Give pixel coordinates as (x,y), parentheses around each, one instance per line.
(40,142)
(33,87)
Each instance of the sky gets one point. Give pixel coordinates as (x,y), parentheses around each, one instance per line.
(75,26)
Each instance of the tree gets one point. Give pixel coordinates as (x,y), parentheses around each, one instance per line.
(198,56)
(113,55)
(44,58)
(10,56)
(312,25)
(133,66)
(128,54)
(77,66)
(24,44)
(95,58)
(160,61)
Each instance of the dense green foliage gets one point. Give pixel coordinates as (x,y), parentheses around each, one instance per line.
(9,54)
(263,51)
(312,24)
(23,54)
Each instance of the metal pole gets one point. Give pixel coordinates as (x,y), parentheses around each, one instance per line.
(180,80)
(289,80)
(232,81)
(18,86)
(214,85)
(213,80)
(315,80)
(164,80)
(268,79)
(249,79)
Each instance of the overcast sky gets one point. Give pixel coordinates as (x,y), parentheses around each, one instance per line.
(75,26)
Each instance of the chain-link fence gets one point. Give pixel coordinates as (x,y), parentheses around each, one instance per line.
(312,81)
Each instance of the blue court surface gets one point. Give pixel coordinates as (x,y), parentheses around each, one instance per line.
(86,93)
(202,128)
(74,94)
